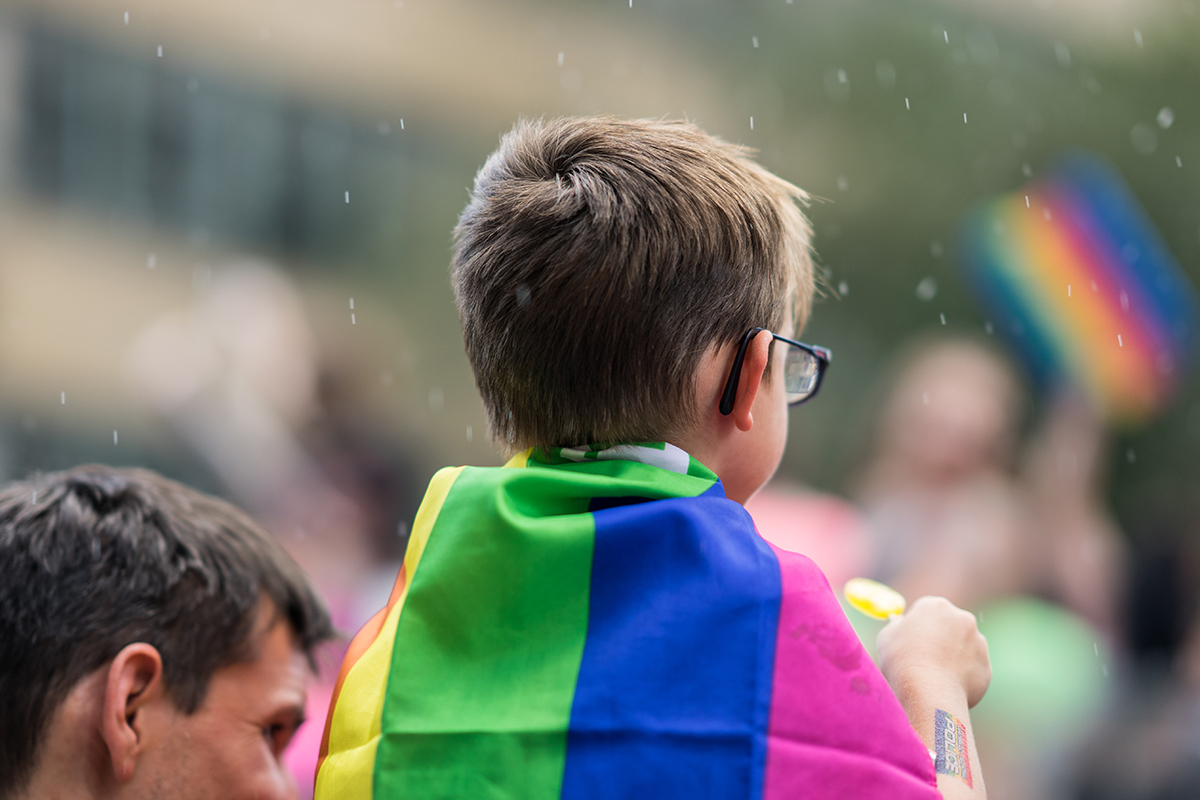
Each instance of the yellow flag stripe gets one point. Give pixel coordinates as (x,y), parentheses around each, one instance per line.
(521,459)
(346,773)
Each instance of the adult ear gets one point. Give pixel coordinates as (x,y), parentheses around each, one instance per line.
(135,681)
(753,366)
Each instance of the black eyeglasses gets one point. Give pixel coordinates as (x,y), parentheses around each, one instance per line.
(802,369)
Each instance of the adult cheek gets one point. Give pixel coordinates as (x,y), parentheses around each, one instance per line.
(278,786)
(275,782)
(261,777)
(287,783)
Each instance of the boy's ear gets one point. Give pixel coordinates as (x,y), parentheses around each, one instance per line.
(135,680)
(753,366)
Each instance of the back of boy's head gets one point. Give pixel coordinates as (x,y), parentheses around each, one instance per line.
(597,262)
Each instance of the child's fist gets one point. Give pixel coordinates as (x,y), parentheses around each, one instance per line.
(933,644)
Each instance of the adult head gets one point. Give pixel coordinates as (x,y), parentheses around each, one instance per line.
(154,641)
(953,411)
(600,260)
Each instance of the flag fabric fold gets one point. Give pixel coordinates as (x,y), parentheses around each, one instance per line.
(604,623)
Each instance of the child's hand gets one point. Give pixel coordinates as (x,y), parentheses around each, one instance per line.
(935,645)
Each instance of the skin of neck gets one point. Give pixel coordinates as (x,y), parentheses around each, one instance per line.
(73,737)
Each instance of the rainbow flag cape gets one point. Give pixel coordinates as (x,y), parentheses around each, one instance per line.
(604,623)
(1081,284)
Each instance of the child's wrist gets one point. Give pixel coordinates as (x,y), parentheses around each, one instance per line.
(920,687)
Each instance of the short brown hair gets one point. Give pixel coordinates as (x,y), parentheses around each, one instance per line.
(600,258)
(97,558)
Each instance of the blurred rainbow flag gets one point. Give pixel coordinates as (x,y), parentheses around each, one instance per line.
(1078,280)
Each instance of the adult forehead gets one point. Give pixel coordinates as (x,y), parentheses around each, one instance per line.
(271,627)
(274,673)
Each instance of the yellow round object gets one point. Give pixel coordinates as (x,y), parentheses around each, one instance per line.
(874,598)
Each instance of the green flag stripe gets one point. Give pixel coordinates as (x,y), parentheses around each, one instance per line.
(489,643)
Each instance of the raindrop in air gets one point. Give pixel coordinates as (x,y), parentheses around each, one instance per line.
(843,184)
(927,289)
(114,437)
(351,303)
(152,261)
(1130,456)
(470,433)
(64,398)
(754,40)
(885,73)
(843,288)
(560,58)
(943,318)
(837,84)
(160,51)
(1062,53)
(935,248)
(1137,37)
(1027,170)
(347,197)
(437,399)
(906,105)
(126,17)
(1165,117)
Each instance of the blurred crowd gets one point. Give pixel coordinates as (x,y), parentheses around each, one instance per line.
(967,489)
(238,376)
(969,483)
(964,492)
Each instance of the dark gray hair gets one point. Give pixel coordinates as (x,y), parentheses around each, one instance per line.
(95,558)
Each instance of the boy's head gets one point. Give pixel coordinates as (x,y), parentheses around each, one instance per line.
(600,259)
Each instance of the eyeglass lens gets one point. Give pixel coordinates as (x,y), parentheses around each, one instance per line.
(800,373)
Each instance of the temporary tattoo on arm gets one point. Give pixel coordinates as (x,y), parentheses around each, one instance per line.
(950,747)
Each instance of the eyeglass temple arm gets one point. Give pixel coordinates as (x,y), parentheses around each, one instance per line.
(731,384)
